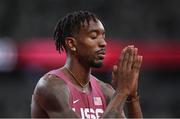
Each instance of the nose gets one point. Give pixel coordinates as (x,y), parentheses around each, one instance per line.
(102,42)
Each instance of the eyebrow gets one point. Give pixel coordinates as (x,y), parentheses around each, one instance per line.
(95,30)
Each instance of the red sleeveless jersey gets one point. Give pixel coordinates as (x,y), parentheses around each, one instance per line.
(86,105)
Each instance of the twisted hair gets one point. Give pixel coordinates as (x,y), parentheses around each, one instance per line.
(70,25)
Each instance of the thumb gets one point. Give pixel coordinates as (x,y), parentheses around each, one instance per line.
(114,70)
(114,80)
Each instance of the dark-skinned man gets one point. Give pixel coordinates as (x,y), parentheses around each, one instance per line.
(72,91)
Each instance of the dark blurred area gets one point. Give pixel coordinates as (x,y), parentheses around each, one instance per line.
(27,50)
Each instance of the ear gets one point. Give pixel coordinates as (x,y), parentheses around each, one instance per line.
(70,43)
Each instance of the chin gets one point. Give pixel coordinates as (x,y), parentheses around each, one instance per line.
(97,64)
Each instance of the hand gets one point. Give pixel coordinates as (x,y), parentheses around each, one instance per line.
(125,74)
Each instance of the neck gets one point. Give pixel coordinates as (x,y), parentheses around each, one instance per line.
(80,71)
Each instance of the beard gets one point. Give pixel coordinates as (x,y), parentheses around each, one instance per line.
(96,64)
(90,62)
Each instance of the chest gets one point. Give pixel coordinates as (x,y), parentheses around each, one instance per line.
(87,105)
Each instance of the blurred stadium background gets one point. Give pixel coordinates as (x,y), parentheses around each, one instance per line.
(27,50)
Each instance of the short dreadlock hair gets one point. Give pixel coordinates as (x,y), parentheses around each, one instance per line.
(70,25)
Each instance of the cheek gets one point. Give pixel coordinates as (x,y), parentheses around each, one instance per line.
(86,54)
(87,48)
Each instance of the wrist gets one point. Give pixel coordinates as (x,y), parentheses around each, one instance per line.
(134,94)
(121,93)
(132,98)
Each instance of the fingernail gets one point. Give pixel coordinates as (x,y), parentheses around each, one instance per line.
(131,46)
(136,49)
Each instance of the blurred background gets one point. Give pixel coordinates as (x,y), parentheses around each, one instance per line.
(27,50)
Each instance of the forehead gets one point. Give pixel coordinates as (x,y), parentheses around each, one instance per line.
(92,26)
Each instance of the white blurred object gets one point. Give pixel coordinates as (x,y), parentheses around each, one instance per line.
(8,54)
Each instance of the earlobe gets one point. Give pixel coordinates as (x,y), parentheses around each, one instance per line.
(74,49)
(70,43)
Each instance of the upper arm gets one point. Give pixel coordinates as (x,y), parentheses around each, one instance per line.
(52,95)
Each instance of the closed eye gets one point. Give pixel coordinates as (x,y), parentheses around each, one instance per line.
(93,35)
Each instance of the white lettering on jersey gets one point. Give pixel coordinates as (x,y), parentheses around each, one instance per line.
(89,113)
(98,111)
(82,113)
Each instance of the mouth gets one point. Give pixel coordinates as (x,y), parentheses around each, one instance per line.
(101,54)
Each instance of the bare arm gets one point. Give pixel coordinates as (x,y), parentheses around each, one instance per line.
(132,103)
(52,96)
(133,107)
(115,106)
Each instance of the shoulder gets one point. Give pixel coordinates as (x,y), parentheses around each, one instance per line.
(107,89)
(49,83)
(51,89)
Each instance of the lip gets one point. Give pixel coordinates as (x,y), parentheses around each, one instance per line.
(102,51)
(101,55)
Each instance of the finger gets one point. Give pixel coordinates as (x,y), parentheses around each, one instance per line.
(114,71)
(131,46)
(135,52)
(127,53)
(122,56)
(134,55)
(134,66)
(130,60)
(139,61)
(137,64)
(120,61)
(115,68)
(125,61)
(123,51)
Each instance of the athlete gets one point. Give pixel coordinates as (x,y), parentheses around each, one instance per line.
(72,91)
